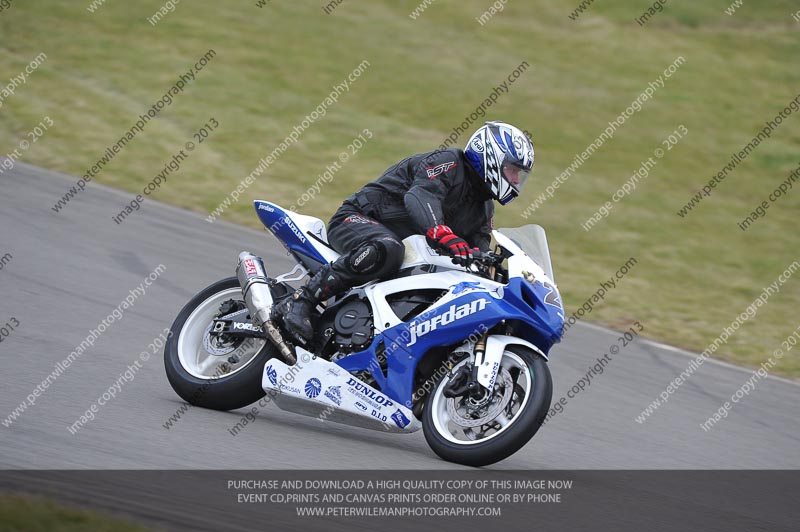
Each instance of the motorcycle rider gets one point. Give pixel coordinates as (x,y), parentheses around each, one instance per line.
(444,194)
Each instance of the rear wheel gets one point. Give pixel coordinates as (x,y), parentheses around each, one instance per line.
(197,363)
(482,430)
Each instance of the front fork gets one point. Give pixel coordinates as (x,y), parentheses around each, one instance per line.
(465,382)
(255,285)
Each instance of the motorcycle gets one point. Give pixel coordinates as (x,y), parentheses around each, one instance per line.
(459,351)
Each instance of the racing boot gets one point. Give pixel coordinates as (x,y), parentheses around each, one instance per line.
(296,310)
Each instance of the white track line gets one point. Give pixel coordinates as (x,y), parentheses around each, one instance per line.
(687,354)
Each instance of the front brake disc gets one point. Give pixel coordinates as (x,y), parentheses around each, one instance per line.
(496,405)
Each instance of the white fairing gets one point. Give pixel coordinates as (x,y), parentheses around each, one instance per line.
(419,253)
(315,229)
(318,388)
(385,318)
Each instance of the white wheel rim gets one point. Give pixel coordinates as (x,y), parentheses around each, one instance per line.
(192,352)
(448,429)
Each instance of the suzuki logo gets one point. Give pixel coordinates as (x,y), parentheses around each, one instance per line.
(295,230)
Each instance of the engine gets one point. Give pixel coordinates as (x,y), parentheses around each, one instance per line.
(346,326)
(352,326)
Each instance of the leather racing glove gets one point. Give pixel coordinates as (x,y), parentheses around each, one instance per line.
(442,237)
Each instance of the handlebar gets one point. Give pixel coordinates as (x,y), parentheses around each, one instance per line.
(483,261)
(487,258)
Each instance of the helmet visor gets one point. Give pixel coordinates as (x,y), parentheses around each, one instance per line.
(515,175)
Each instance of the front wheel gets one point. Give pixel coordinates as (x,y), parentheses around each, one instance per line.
(199,365)
(479,431)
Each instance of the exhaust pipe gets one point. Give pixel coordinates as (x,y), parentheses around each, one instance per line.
(253,279)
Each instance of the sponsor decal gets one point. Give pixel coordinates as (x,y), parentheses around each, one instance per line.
(433,171)
(364,398)
(358,219)
(238,325)
(465,285)
(400,419)
(272,375)
(313,387)
(335,371)
(334,393)
(263,207)
(369,395)
(454,313)
(292,389)
(361,257)
(362,406)
(295,230)
(493,372)
(250,267)
(377,415)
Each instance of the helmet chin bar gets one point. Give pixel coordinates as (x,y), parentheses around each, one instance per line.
(508,197)
(506,193)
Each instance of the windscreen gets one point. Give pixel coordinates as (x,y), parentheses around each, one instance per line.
(533,241)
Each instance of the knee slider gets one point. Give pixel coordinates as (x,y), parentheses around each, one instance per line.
(380,258)
(367,258)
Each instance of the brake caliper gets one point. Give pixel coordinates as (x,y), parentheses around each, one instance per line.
(461,383)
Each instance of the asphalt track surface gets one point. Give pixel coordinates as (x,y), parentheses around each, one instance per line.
(70,270)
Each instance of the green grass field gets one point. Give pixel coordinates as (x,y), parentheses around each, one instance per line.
(28,514)
(275,64)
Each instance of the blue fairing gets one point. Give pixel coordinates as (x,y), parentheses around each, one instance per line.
(522,304)
(276,220)
(542,327)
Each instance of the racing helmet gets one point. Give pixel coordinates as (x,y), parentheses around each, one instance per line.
(503,156)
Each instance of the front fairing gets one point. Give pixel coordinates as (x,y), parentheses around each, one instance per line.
(532,288)
(529,303)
